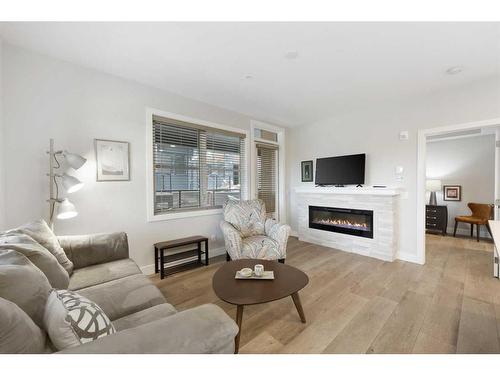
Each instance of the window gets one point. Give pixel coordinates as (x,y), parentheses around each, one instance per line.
(267,176)
(195,167)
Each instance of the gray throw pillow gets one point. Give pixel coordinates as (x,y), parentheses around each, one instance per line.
(38,255)
(71,320)
(18,333)
(41,233)
(24,284)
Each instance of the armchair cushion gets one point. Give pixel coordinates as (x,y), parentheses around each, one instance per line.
(260,247)
(248,217)
(41,233)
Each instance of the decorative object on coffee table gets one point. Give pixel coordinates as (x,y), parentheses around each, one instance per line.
(167,264)
(452,193)
(287,281)
(306,168)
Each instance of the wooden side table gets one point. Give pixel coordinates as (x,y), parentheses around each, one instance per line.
(162,260)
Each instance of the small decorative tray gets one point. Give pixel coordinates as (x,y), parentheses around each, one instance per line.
(268,275)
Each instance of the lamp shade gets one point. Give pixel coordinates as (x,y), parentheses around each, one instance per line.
(74,160)
(433,185)
(71,183)
(66,210)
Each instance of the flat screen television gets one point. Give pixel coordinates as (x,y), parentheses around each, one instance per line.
(341,170)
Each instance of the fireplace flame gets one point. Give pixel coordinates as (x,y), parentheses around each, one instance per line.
(342,223)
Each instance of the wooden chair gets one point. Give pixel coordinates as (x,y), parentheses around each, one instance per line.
(481,213)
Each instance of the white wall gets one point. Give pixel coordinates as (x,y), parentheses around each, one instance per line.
(2,151)
(469,162)
(48,98)
(374,128)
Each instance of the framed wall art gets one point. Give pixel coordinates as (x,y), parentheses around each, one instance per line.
(452,193)
(307,171)
(112,160)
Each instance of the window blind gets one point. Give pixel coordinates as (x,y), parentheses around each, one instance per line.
(195,167)
(267,176)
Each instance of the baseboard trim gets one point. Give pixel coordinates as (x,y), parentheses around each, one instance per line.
(412,258)
(150,268)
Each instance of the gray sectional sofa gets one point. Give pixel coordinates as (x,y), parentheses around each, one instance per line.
(145,322)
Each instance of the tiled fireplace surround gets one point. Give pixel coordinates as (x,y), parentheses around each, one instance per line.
(383,202)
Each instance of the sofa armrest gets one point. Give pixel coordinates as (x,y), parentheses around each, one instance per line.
(89,249)
(278,232)
(203,329)
(232,239)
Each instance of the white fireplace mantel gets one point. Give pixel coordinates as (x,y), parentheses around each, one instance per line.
(384,202)
(368,190)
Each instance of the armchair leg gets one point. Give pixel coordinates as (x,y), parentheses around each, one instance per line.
(228,258)
(282,260)
(472,230)
(478,227)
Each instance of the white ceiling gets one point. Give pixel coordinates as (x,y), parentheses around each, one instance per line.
(339,66)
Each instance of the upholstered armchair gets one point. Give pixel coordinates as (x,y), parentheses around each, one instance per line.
(248,234)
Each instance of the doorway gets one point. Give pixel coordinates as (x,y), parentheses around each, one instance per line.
(453,132)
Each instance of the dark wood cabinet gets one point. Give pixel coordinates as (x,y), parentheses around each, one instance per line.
(436,218)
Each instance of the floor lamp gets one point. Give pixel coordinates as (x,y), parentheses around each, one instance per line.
(65,209)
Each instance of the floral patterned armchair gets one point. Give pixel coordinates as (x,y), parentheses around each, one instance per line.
(248,234)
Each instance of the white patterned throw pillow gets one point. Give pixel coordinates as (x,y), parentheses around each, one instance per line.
(71,319)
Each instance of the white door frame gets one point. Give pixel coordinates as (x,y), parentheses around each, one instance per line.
(281,163)
(421,172)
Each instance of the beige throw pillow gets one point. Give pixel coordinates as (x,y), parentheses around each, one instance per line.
(38,255)
(41,233)
(71,319)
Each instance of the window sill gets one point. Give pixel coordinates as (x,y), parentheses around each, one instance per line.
(183,215)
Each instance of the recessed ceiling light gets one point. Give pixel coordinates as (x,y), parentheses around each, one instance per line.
(454,70)
(290,55)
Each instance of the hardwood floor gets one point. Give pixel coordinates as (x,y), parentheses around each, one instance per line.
(356,304)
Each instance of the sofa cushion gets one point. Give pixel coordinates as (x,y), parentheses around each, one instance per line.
(248,217)
(124,296)
(89,249)
(102,273)
(24,284)
(71,320)
(18,333)
(260,247)
(41,233)
(145,316)
(38,255)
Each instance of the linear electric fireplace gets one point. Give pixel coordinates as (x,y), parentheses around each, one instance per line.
(342,220)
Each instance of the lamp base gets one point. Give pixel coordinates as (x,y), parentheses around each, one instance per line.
(433,200)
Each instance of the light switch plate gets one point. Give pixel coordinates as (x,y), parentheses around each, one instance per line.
(404,135)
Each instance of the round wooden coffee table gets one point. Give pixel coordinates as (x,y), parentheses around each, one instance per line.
(287,281)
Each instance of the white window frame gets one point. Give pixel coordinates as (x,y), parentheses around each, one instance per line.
(151,217)
(254,124)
